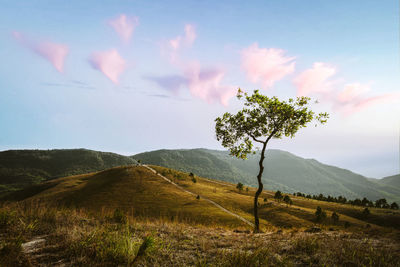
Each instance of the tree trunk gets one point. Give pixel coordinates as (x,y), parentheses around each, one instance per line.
(259,190)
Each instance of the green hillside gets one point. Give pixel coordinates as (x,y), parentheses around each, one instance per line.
(393,180)
(21,168)
(283,171)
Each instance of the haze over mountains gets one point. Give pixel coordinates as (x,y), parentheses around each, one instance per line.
(283,170)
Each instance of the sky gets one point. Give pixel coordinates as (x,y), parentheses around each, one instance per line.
(134,76)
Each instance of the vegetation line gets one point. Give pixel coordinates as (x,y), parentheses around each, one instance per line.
(206,199)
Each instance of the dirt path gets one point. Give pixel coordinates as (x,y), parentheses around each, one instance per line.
(204,198)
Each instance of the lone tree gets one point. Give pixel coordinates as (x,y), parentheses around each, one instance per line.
(262,119)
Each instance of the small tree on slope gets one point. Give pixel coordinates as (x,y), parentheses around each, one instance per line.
(262,119)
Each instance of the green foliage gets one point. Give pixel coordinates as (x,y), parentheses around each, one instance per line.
(287,200)
(194,180)
(239,186)
(394,206)
(263,117)
(320,214)
(381,203)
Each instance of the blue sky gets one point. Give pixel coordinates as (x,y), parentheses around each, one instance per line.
(70,79)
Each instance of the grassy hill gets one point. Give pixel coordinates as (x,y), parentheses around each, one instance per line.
(78,219)
(141,193)
(20,168)
(283,171)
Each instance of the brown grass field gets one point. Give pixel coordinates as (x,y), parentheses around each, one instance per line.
(128,216)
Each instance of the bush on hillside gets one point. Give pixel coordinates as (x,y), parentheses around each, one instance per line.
(320,214)
(335,217)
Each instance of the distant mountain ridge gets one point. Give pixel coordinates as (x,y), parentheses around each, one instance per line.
(283,171)
(393,180)
(21,168)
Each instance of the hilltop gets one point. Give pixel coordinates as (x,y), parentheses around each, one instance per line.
(283,171)
(21,168)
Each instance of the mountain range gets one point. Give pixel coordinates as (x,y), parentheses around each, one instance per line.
(283,171)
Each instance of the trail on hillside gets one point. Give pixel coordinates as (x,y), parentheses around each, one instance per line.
(204,198)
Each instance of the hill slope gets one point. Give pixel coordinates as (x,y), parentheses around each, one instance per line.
(143,194)
(20,168)
(393,180)
(283,171)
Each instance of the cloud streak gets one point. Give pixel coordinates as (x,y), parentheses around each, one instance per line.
(205,84)
(110,63)
(52,52)
(266,65)
(315,80)
(124,26)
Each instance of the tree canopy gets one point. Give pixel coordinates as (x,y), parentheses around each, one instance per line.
(261,119)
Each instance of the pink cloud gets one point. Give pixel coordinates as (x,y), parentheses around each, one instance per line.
(266,65)
(110,63)
(206,84)
(124,26)
(352,91)
(52,52)
(186,40)
(173,46)
(351,100)
(315,79)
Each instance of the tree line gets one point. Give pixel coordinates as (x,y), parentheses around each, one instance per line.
(380,203)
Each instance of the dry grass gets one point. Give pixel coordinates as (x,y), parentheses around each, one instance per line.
(129,216)
(76,238)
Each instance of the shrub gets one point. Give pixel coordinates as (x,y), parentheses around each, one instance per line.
(194,180)
(198,197)
(278,196)
(320,214)
(366,213)
(335,217)
(239,186)
(287,200)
